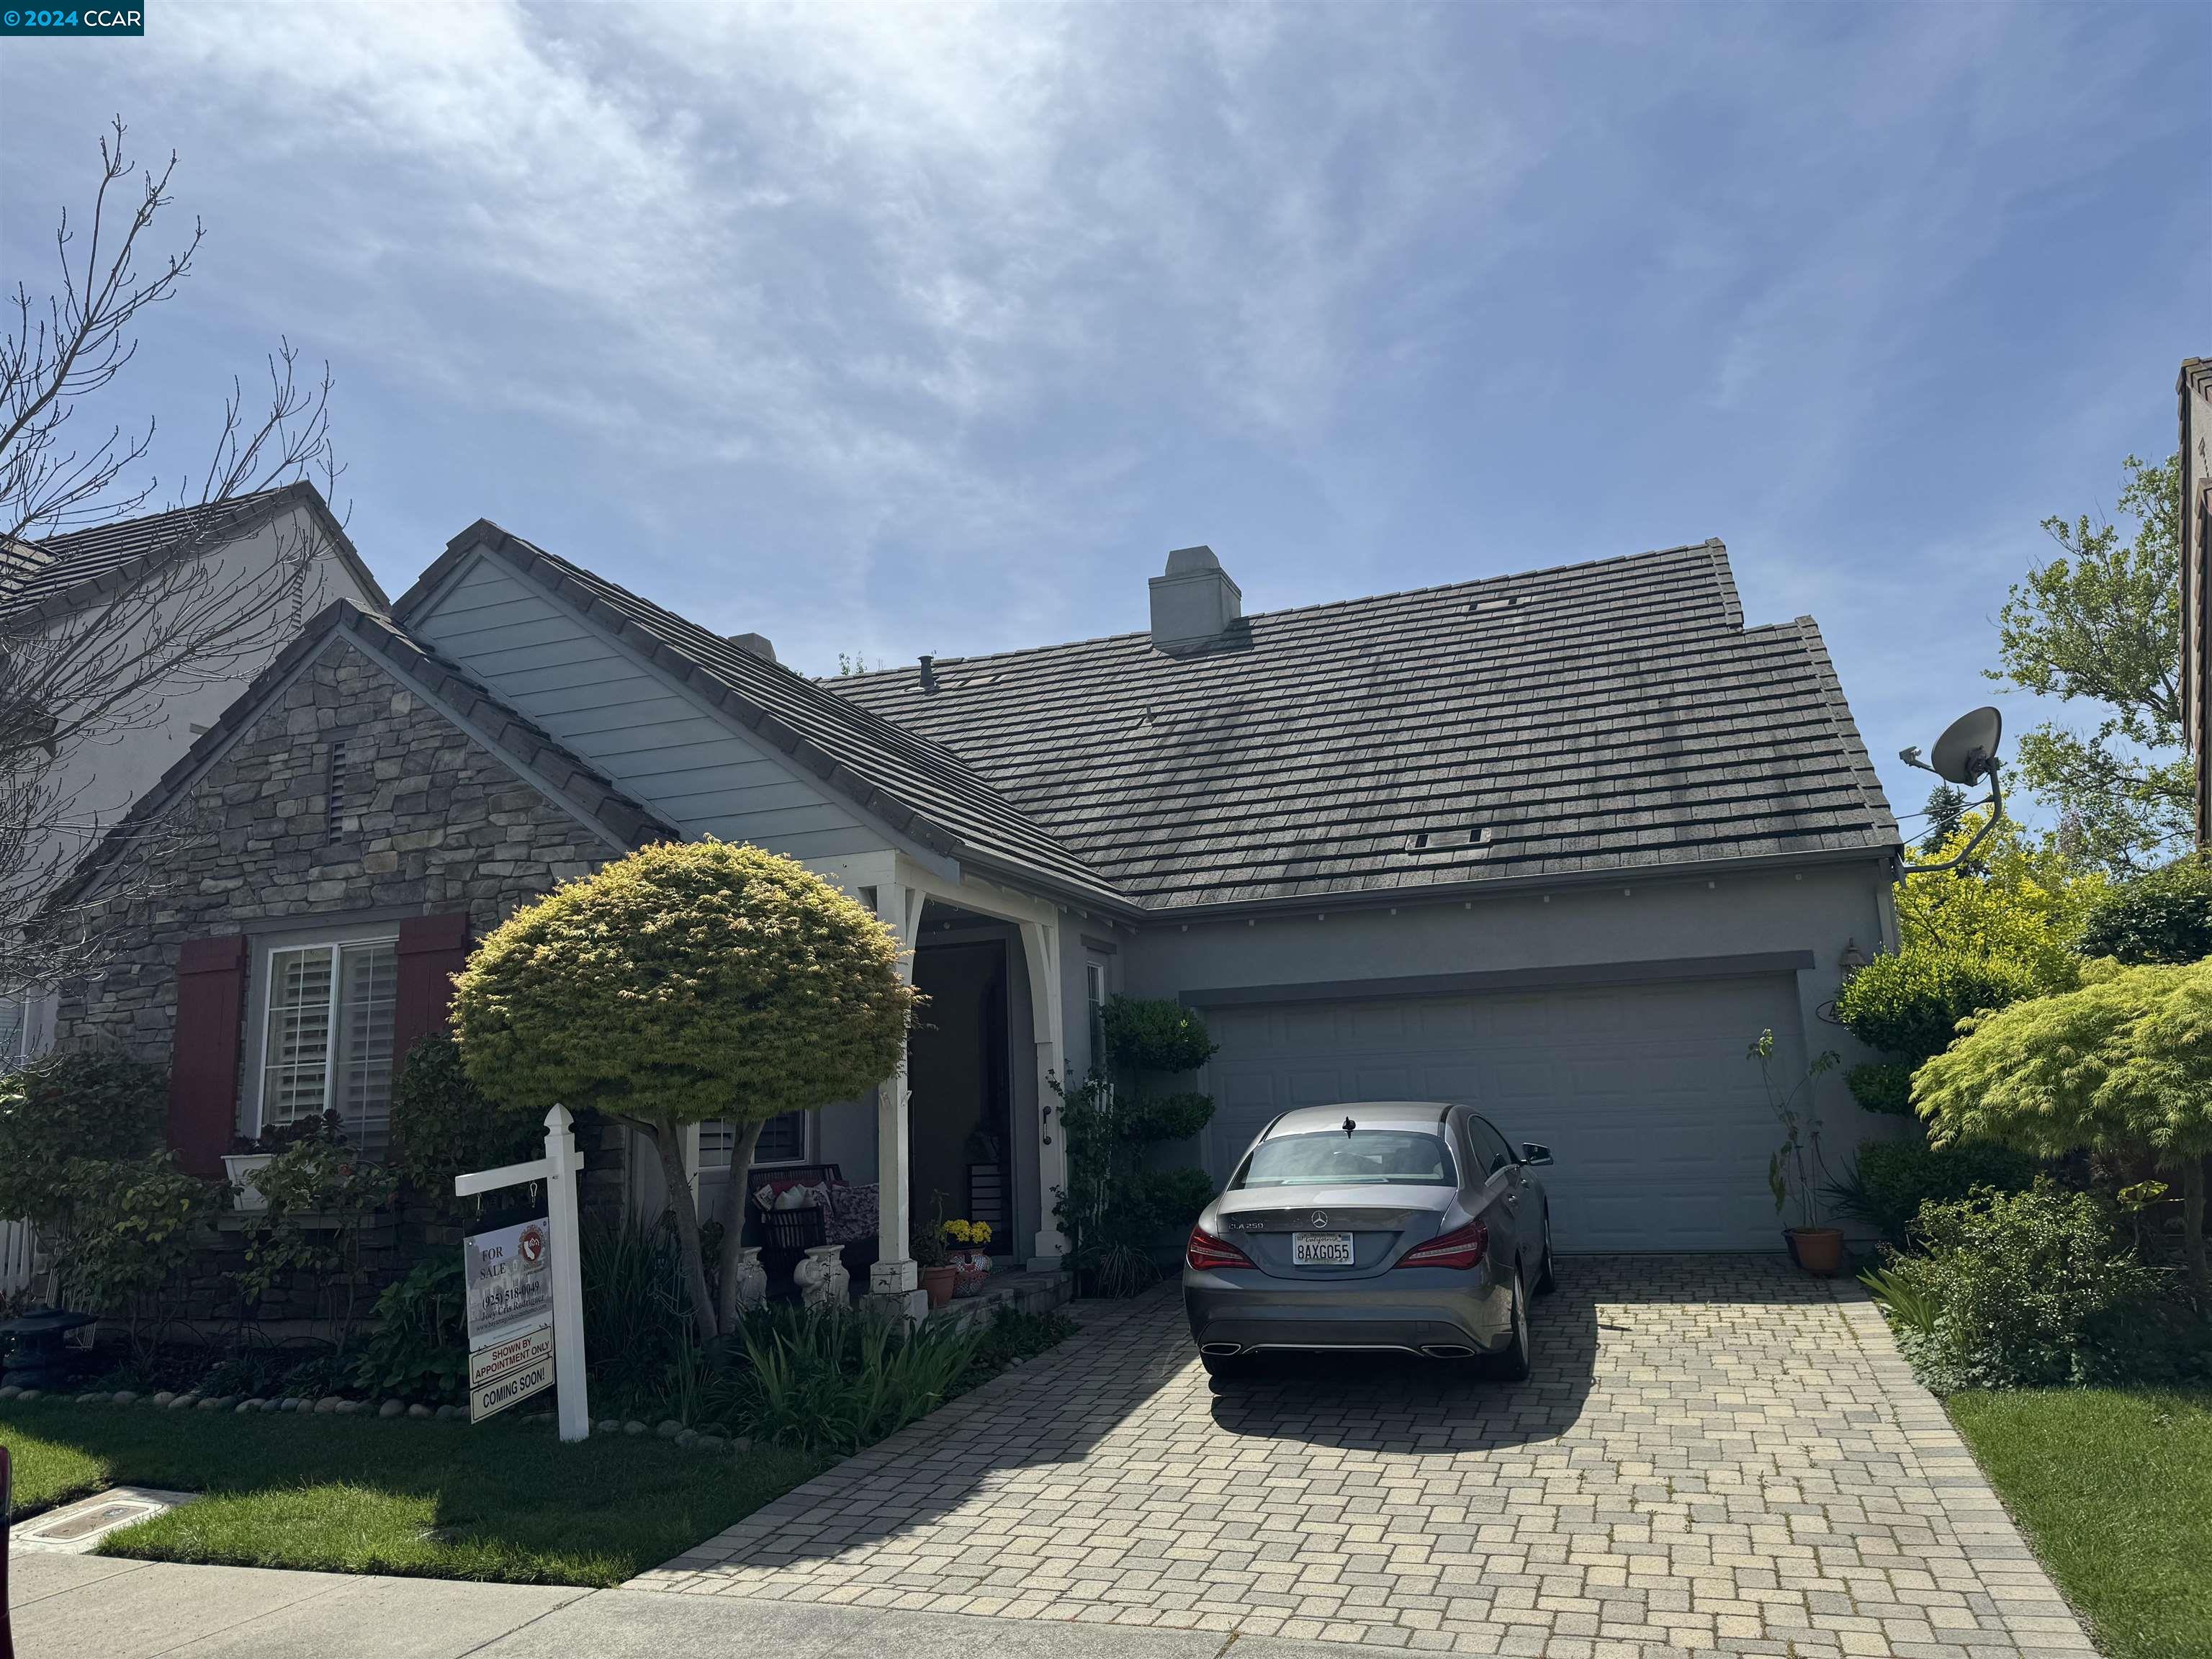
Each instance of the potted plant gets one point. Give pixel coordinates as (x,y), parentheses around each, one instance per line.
(932,1254)
(1797,1161)
(970,1262)
(251,1154)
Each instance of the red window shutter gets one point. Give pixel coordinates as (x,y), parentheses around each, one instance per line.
(432,950)
(204,1055)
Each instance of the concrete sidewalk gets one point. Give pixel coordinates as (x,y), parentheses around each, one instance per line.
(84,1605)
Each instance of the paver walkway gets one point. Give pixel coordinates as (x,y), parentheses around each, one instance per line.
(1716,1454)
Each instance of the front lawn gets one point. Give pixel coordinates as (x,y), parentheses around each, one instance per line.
(2114,1488)
(500,1501)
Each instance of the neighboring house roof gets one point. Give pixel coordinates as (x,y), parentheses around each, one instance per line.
(63,571)
(523,745)
(905,780)
(1613,716)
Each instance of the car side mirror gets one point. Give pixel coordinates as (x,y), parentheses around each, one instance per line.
(1532,1153)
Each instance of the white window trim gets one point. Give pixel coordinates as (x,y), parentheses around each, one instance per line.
(266,950)
(808,1146)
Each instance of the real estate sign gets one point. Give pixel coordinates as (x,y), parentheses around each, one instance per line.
(510,1289)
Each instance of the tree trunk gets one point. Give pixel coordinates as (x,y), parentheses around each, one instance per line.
(2193,1225)
(733,1219)
(668,1141)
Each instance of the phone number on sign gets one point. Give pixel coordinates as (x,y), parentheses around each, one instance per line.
(96,19)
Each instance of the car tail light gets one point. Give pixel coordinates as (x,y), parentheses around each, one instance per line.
(1206,1251)
(1463,1247)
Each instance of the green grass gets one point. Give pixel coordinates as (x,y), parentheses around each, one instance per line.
(503,1501)
(2114,1488)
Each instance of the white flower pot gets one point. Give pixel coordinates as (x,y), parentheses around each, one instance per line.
(241,1167)
(822,1280)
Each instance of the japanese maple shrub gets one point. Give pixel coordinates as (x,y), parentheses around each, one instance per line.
(690,983)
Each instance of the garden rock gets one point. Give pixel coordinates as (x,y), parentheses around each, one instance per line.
(669,1429)
(183,1402)
(327,1404)
(163,1398)
(91,1399)
(122,1396)
(710,1443)
(610,1426)
(289,1404)
(418,1411)
(26,1394)
(392,1408)
(244,1407)
(448,1413)
(633,1427)
(348,1407)
(10,1392)
(688,1438)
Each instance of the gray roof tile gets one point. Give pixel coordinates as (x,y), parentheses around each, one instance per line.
(1610,715)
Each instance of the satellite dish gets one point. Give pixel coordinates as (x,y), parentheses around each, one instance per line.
(1967,751)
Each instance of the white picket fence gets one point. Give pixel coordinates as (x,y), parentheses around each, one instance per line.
(16,1251)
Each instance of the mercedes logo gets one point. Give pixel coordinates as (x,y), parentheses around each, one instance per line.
(1321,1217)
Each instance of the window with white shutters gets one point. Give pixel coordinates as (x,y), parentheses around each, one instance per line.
(327,1045)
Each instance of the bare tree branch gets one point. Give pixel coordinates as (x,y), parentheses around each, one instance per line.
(91,648)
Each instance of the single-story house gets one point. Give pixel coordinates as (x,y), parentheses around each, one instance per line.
(1561,844)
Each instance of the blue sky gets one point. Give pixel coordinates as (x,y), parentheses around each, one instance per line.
(934,330)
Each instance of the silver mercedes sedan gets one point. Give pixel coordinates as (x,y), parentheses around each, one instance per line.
(1397,1225)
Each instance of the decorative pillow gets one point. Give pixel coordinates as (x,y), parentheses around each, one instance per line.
(795,1197)
(853,1212)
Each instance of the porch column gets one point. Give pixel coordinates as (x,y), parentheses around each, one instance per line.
(896,1278)
(1041,951)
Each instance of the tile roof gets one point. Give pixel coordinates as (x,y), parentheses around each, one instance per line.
(1613,716)
(910,782)
(510,734)
(54,570)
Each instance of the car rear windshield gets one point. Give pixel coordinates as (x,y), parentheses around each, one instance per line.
(1365,1157)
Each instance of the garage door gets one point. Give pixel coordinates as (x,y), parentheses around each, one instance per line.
(1643,1093)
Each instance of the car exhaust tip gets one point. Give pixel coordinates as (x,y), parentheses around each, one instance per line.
(1447,1350)
(1221,1350)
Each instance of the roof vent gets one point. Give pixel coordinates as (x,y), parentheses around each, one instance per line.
(756,644)
(1194,603)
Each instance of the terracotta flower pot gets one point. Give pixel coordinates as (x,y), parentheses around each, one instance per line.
(937,1281)
(1818,1250)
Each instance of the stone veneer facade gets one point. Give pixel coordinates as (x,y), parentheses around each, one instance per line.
(435,821)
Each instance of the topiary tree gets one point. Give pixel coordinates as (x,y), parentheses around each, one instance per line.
(1908,1005)
(688,982)
(1116,1204)
(2165,915)
(2123,1065)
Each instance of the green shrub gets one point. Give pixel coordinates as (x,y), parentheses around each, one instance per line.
(1890,1180)
(1881,1086)
(1154,1034)
(1163,1117)
(2029,1289)
(1910,1005)
(442,1125)
(69,1107)
(2162,916)
(130,1228)
(636,1309)
(320,1195)
(419,1349)
(831,1380)
(1176,1196)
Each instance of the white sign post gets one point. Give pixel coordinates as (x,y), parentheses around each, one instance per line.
(510,1360)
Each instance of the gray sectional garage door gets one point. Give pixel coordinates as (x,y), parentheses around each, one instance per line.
(1642,1092)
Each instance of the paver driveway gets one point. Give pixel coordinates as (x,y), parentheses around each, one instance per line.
(1716,1454)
